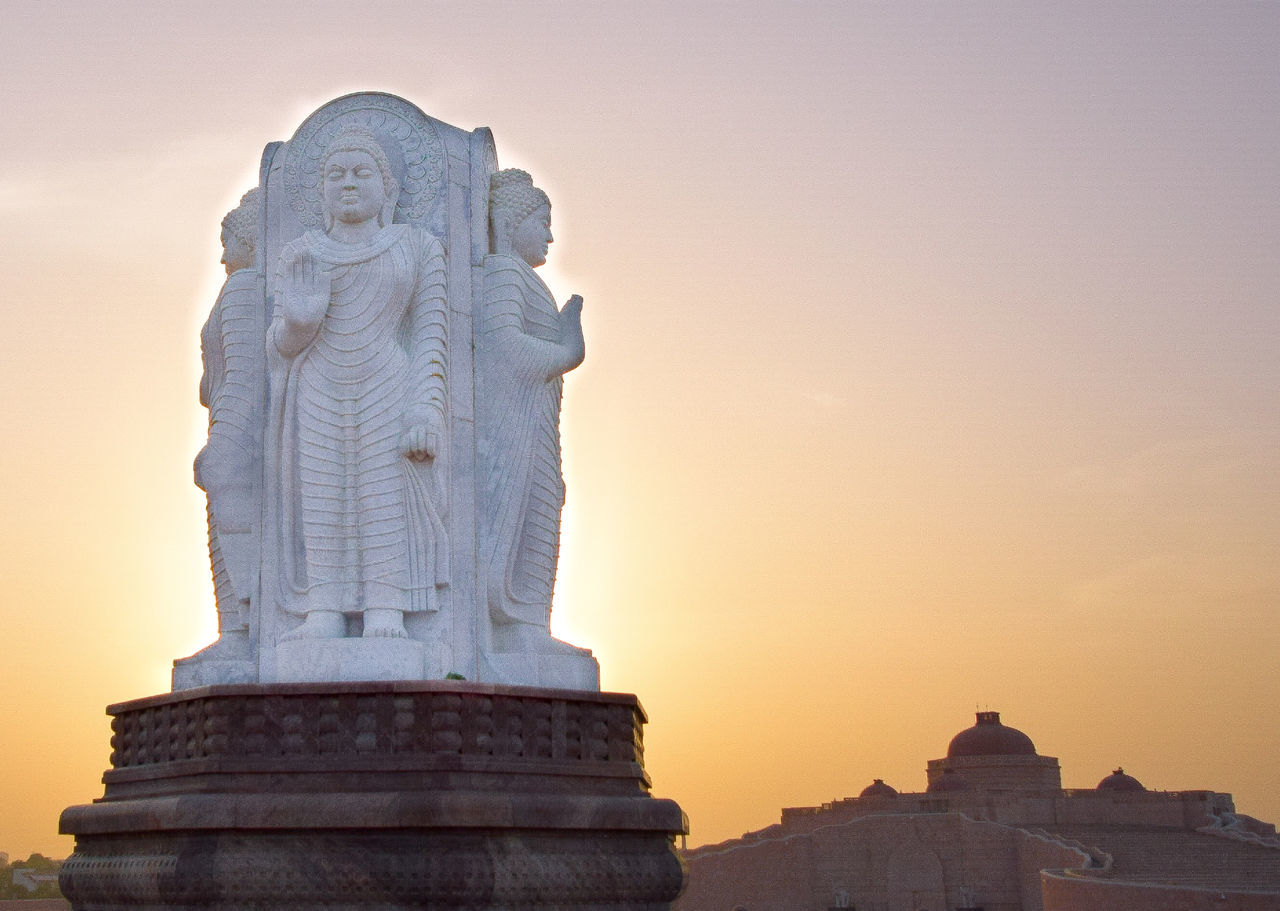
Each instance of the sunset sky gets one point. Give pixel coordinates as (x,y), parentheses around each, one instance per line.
(933,364)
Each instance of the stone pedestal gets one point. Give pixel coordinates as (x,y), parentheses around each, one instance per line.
(375,796)
(351,659)
(571,670)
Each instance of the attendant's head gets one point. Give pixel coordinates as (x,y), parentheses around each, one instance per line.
(240,234)
(519,216)
(356,179)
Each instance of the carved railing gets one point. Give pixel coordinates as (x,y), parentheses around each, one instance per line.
(391,722)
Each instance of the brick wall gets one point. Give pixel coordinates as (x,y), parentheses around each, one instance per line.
(1065,892)
(883,863)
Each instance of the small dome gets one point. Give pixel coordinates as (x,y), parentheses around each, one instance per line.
(990,738)
(878,788)
(1119,781)
(948,781)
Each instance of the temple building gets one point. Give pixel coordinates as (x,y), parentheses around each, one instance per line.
(994,830)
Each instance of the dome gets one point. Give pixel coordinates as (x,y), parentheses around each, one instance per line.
(949,780)
(990,738)
(878,788)
(1119,781)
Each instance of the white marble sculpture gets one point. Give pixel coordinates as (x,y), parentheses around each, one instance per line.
(358,346)
(229,467)
(390,508)
(524,346)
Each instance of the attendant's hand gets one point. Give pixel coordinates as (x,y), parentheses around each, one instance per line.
(571,312)
(571,341)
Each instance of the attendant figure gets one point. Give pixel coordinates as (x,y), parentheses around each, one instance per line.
(524,346)
(229,466)
(358,425)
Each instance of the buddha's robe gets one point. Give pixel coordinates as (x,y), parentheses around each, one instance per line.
(519,367)
(230,465)
(360,523)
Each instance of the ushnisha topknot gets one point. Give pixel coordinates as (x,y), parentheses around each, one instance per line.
(511,192)
(242,221)
(357,138)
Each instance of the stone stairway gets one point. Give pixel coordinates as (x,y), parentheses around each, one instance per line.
(1180,857)
(1098,859)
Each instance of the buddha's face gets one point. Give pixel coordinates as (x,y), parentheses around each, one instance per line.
(353,190)
(531,237)
(236,254)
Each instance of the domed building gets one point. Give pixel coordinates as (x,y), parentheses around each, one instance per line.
(878,788)
(994,830)
(994,757)
(1119,781)
(988,737)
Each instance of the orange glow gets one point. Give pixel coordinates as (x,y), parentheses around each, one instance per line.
(932,362)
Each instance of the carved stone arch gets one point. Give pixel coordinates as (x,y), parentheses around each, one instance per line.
(408,136)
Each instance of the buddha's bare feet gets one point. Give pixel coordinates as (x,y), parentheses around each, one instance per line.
(320,624)
(382,623)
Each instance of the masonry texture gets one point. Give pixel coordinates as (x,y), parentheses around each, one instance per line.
(995,830)
(389,796)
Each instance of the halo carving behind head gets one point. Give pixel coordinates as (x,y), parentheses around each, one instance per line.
(407,137)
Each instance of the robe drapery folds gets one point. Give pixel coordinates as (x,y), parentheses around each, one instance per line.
(360,524)
(230,463)
(519,367)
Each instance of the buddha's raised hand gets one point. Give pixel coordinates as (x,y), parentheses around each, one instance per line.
(305,289)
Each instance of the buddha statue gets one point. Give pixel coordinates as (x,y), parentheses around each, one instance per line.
(229,466)
(358,427)
(524,346)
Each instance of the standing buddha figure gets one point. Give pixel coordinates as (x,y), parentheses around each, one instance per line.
(358,428)
(524,346)
(229,466)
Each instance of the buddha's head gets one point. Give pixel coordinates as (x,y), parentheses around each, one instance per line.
(356,179)
(240,234)
(519,216)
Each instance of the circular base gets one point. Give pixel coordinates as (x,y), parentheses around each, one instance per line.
(365,870)
(375,796)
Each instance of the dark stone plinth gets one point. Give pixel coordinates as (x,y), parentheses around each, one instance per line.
(375,796)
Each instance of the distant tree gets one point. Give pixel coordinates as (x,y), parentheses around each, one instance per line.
(7,888)
(39,862)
